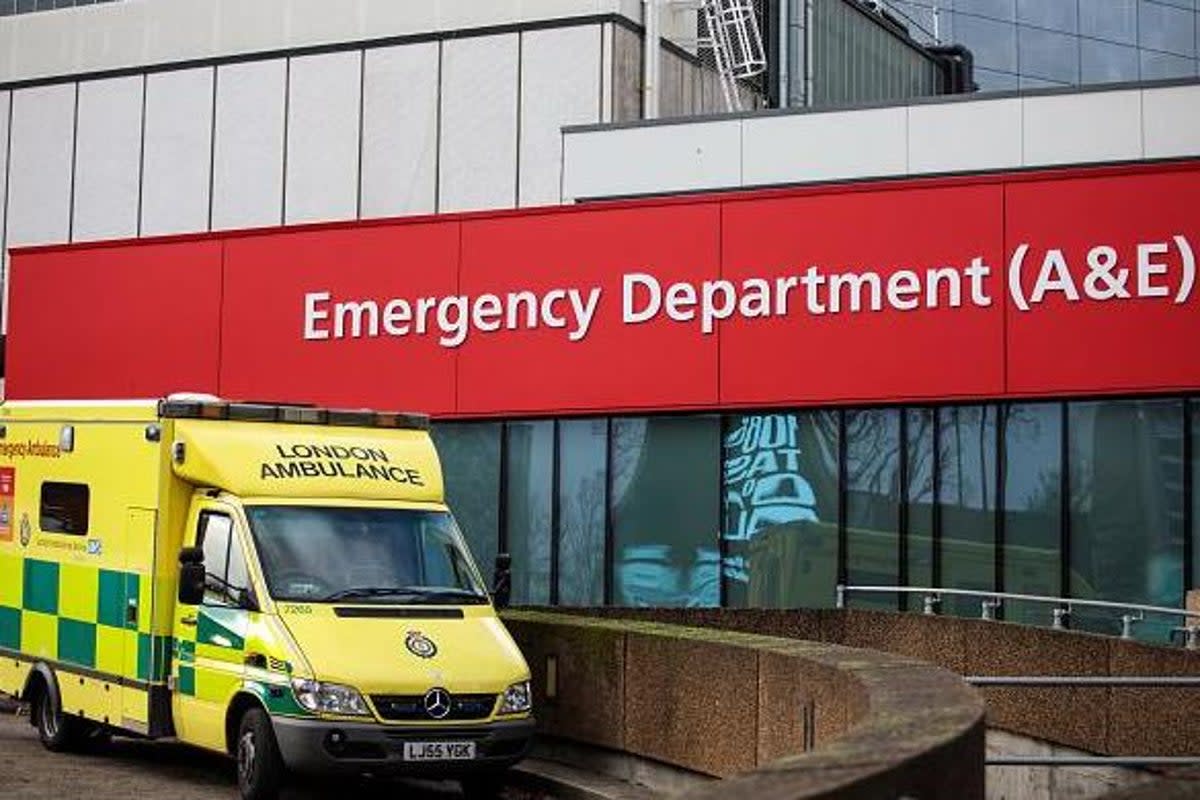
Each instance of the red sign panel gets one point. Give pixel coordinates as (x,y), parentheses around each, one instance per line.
(1065,282)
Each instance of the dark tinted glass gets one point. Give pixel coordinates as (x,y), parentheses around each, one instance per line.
(873,502)
(1126,508)
(994,44)
(1195,412)
(781,510)
(582,491)
(665,507)
(470,455)
(529,465)
(920,466)
(1032,507)
(1104,62)
(967,502)
(1048,55)
(64,508)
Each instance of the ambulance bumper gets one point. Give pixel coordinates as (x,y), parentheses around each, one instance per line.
(327,747)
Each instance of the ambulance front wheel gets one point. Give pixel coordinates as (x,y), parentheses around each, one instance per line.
(260,769)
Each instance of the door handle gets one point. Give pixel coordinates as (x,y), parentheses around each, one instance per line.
(131,612)
(189,621)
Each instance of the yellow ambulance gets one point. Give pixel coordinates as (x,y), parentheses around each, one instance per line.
(281,583)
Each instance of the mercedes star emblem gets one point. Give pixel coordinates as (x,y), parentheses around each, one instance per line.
(437,703)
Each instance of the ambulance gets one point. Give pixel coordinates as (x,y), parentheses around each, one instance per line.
(281,583)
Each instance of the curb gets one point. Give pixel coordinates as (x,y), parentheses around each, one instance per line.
(565,782)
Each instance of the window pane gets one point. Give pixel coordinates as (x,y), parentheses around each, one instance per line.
(781,483)
(1126,508)
(1160,66)
(529,463)
(582,485)
(1032,507)
(470,455)
(1163,27)
(967,483)
(1049,56)
(1195,411)
(64,508)
(994,44)
(1111,20)
(1056,15)
(995,9)
(1102,62)
(215,533)
(919,454)
(873,502)
(666,502)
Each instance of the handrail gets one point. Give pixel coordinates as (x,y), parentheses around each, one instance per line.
(1083,680)
(1064,605)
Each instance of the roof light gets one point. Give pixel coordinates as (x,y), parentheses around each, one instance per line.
(345,416)
(401,419)
(253,412)
(303,415)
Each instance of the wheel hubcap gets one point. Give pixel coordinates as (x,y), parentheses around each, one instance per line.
(246,758)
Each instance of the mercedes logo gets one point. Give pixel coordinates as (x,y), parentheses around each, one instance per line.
(437,703)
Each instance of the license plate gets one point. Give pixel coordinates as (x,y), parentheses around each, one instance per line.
(439,751)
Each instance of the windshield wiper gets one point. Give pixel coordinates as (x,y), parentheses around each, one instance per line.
(369,591)
(420,593)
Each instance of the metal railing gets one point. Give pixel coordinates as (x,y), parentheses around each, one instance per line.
(991,602)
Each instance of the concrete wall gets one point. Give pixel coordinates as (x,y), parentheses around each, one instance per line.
(923,138)
(831,722)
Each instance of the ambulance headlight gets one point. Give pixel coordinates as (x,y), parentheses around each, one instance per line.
(328,698)
(517,699)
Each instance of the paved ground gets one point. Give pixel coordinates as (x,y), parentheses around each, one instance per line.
(150,770)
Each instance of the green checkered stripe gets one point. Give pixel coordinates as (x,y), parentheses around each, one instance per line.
(80,615)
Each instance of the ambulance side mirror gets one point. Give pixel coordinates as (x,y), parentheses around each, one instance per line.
(191,576)
(502,580)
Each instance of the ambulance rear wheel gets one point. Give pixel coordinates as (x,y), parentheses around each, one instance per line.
(57,730)
(260,769)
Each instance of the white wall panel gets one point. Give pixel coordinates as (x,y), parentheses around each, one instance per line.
(177,162)
(108,151)
(944,137)
(248,152)
(39,181)
(479,123)
(653,159)
(1080,128)
(322,130)
(400,126)
(560,85)
(1171,121)
(841,144)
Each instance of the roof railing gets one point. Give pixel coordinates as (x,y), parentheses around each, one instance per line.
(991,602)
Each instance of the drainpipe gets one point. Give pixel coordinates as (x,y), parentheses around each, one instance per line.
(650,59)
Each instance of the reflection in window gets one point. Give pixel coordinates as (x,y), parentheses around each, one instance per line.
(582,489)
(1049,56)
(470,455)
(920,467)
(873,501)
(781,511)
(1194,404)
(967,502)
(1110,20)
(1032,507)
(666,504)
(529,464)
(994,44)
(1102,62)
(1167,28)
(1126,507)
(1160,66)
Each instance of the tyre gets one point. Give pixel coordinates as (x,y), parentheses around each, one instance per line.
(260,770)
(58,731)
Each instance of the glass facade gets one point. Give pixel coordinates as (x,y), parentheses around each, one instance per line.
(1020,44)
(28,6)
(1090,499)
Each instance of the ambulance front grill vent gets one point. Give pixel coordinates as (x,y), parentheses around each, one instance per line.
(397,613)
(411,708)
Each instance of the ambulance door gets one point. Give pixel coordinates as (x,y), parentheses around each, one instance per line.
(210,637)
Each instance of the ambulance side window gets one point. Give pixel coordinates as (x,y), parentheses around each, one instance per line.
(225,569)
(64,508)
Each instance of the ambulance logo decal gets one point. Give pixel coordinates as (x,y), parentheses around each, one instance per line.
(420,645)
(26,530)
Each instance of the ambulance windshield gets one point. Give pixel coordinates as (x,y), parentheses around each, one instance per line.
(382,555)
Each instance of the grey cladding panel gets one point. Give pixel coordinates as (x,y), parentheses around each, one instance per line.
(322,163)
(627,75)
(178,151)
(560,85)
(108,158)
(248,167)
(39,181)
(400,124)
(479,123)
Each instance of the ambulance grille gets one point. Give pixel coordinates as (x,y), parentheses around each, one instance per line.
(411,708)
